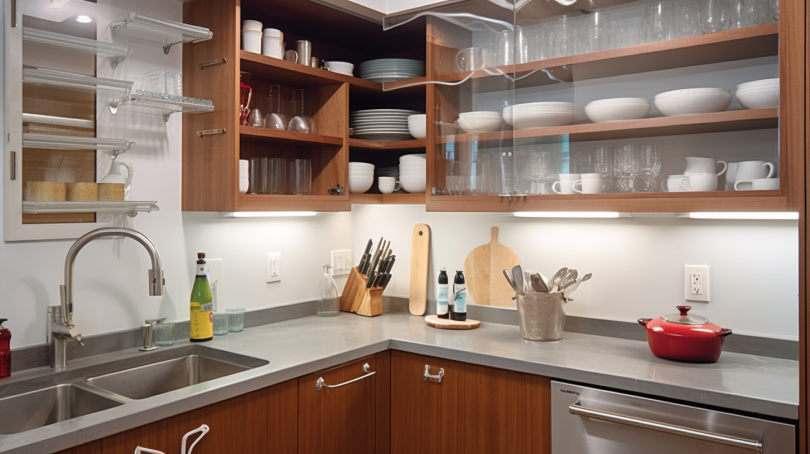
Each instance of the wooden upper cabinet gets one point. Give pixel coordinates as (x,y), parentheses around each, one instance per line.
(545,52)
(338,409)
(475,409)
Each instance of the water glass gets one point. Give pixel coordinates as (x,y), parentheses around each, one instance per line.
(602,161)
(522,46)
(626,27)
(557,38)
(715,15)
(457,184)
(774,7)
(220,323)
(255,176)
(236,320)
(164,334)
(505,48)
(658,22)
(649,166)
(687,20)
(595,36)
(625,161)
(738,11)
(757,12)
(275,176)
(301,177)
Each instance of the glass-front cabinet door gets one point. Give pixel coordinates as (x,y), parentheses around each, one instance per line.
(62,179)
(610,105)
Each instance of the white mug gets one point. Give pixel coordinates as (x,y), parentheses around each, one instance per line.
(673,184)
(755,170)
(696,165)
(699,182)
(565,185)
(759,184)
(591,183)
(387,185)
(731,175)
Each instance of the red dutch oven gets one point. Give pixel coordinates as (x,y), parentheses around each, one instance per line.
(684,337)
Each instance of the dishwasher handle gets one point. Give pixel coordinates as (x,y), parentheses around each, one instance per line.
(752,445)
(321,384)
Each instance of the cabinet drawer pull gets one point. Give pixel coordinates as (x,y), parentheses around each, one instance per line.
(434,378)
(218,61)
(320,384)
(210,132)
(752,445)
(14,13)
(13,166)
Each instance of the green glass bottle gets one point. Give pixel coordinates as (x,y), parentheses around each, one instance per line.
(201,319)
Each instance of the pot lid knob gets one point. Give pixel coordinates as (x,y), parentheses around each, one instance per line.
(684,310)
(683,318)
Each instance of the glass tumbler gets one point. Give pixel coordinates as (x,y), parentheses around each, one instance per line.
(275,176)
(649,166)
(757,12)
(687,20)
(602,161)
(715,15)
(164,334)
(301,175)
(256,176)
(659,22)
(236,320)
(625,162)
(220,323)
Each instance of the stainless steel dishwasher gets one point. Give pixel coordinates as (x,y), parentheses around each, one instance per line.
(592,421)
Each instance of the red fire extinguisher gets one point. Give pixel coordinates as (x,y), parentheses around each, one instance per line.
(5,351)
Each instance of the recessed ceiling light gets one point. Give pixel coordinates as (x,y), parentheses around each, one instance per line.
(83,19)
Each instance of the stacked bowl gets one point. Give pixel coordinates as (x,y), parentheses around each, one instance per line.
(244,175)
(693,101)
(539,114)
(412,175)
(481,121)
(417,126)
(759,94)
(361,177)
(391,69)
(617,109)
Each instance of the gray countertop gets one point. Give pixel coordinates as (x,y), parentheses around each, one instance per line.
(754,384)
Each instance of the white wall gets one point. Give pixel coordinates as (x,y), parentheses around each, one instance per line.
(637,263)
(110,276)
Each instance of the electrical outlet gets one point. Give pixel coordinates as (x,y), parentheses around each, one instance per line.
(696,278)
(341,262)
(273,267)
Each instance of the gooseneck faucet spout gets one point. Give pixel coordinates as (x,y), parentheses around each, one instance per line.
(62,328)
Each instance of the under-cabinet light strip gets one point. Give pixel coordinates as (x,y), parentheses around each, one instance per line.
(267,214)
(754,215)
(568,214)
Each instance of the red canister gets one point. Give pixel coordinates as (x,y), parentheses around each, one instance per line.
(5,351)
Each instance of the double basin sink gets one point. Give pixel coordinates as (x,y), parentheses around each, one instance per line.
(108,385)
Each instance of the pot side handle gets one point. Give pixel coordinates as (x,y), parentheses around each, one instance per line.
(725,332)
(643,322)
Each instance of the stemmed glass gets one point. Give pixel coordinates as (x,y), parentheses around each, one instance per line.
(625,162)
(649,166)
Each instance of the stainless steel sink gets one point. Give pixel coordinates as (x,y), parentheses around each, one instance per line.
(164,376)
(48,406)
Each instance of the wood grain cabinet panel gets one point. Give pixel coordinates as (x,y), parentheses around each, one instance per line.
(476,409)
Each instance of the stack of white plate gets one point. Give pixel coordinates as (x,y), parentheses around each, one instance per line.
(692,101)
(412,174)
(617,109)
(381,124)
(759,94)
(391,69)
(361,176)
(539,114)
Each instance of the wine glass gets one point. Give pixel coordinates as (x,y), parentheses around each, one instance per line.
(625,162)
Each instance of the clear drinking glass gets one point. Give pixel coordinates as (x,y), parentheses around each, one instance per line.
(714,15)
(220,323)
(625,162)
(256,181)
(300,122)
(329,304)
(659,22)
(236,320)
(275,119)
(774,7)
(736,18)
(602,160)
(164,334)
(687,20)
(301,175)
(649,166)
(757,12)
(595,33)
(276,176)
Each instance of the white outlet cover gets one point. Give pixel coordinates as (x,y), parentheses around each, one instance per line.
(703,274)
(273,267)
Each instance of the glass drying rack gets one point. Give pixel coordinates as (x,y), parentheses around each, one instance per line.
(114,53)
(112,91)
(165,32)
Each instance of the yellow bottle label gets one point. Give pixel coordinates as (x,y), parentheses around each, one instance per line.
(201,321)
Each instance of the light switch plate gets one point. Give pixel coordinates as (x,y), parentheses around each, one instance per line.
(341,262)
(273,267)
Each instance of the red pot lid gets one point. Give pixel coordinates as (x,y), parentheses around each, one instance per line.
(683,318)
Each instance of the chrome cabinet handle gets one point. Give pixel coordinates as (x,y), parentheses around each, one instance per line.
(320,384)
(727,440)
(13,13)
(434,378)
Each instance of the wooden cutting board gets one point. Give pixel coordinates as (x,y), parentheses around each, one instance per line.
(483,272)
(420,255)
(443,323)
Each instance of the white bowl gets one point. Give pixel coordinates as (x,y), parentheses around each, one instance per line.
(412,171)
(413,183)
(252,25)
(340,67)
(418,158)
(480,121)
(691,91)
(360,184)
(243,185)
(361,165)
(759,83)
(687,102)
(529,120)
(759,98)
(620,109)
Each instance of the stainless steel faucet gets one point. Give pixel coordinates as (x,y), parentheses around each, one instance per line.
(61,327)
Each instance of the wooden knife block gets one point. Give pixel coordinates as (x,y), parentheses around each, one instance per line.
(359,299)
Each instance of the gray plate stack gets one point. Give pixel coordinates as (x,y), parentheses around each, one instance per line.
(391,69)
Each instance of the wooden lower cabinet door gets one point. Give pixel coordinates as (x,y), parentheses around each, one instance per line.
(340,420)
(416,405)
(263,421)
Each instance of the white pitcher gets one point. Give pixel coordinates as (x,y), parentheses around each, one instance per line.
(115,175)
